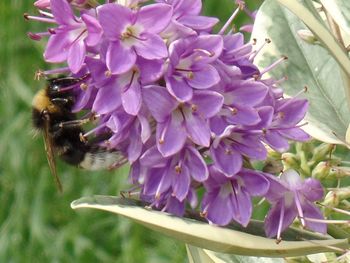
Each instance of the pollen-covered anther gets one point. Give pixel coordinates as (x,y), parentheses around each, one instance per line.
(194,107)
(51,31)
(84,86)
(178,169)
(234,111)
(160,141)
(82,138)
(38,74)
(264,130)
(228,151)
(281,115)
(108,73)
(190,75)
(203,214)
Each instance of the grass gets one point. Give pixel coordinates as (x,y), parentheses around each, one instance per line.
(37,224)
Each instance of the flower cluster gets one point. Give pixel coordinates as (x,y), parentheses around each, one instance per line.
(185,105)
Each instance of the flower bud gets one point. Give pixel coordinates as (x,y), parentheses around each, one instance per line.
(322,152)
(334,197)
(307,36)
(339,172)
(290,160)
(321,170)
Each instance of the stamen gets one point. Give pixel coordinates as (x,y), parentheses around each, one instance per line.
(326,221)
(63,70)
(229,21)
(300,210)
(37,36)
(44,13)
(273,65)
(335,209)
(291,100)
(39,18)
(256,52)
(280,223)
(94,130)
(206,52)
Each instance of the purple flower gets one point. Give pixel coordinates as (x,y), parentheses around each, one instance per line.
(71,38)
(190,67)
(291,197)
(229,197)
(178,121)
(228,148)
(133,33)
(285,118)
(173,173)
(175,99)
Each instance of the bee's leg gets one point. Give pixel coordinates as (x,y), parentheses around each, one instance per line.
(63,102)
(73,123)
(118,163)
(66,81)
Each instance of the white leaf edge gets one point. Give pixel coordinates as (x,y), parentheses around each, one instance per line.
(323,35)
(334,10)
(207,236)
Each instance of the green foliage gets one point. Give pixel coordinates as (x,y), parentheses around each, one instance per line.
(36,222)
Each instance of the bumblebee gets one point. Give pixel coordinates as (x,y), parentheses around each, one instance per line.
(52,115)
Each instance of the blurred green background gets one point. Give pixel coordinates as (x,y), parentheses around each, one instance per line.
(36,222)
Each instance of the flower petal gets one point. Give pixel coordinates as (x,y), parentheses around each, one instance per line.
(207,102)
(181,183)
(197,128)
(243,115)
(276,141)
(272,219)
(62,12)
(94,30)
(107,99)
(242,207)
(312,189)
(204,78)
(219,210)
(254,183)
(226,160)
(76,56)
(159,102)
(311,211)
(154,18)
(179,88)
(198,22)
(114,19)
(171,135)
(131,98)
(120,59)
(56,48)
(151,47)
(197,167)
(153,158)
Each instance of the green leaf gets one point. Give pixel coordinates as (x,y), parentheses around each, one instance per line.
(308,65)
(319,29)
(340,12)
(200,234)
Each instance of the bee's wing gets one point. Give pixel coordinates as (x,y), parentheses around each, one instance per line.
(50,153)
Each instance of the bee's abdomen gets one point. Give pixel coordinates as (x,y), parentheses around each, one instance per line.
(99,158)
